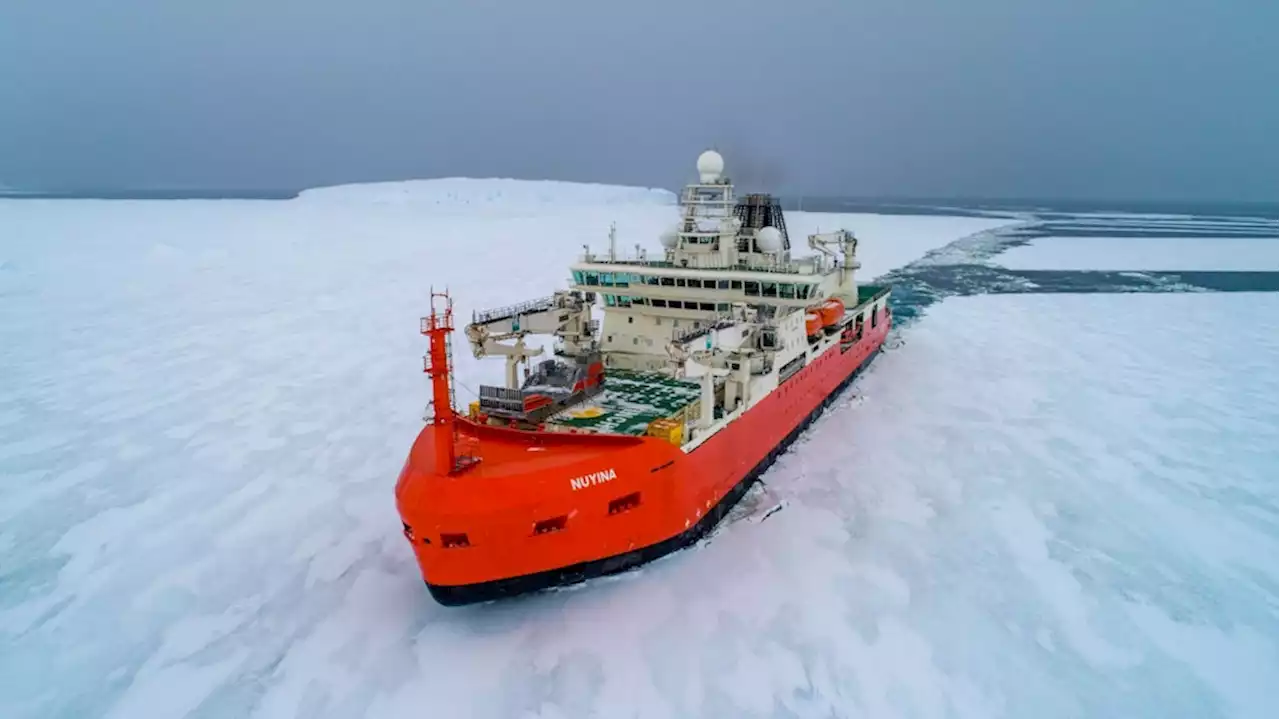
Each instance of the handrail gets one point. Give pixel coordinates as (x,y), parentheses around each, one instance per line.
(501,313)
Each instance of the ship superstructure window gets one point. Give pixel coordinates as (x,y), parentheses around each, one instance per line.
(875,310)
(750,288)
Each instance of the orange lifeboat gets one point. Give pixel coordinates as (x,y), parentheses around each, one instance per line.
(831,311)
(812,324)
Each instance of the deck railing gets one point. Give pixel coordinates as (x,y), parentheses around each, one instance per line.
(523,308)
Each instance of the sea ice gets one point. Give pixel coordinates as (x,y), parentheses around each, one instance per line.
(1033,506)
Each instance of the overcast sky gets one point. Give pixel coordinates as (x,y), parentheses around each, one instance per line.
(1109,99)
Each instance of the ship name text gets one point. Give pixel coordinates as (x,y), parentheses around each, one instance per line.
(591,480)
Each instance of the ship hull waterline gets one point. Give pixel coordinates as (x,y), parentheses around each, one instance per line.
(447,572)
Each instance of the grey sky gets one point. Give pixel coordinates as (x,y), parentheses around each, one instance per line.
(1133,99)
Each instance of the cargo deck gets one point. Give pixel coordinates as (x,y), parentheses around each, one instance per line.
(629,402)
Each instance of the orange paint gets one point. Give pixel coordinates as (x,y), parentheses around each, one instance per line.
(831,311)
(812,324)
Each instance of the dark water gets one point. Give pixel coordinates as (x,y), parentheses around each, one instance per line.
(972,263)
(1047,209)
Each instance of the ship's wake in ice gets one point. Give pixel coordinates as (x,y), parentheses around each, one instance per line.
(1036,503)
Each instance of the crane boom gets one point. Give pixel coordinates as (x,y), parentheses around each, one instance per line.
(565,315)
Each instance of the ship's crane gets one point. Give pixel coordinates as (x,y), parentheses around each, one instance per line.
(565,315)
(847,261)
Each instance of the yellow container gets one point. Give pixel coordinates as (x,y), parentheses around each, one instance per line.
(667,429)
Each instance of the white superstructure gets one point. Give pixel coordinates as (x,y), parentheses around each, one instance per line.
(723,299)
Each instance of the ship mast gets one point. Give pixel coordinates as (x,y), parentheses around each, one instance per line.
(438,366)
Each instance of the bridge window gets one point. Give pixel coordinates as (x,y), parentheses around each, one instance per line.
(722,284)
(735,284)
(680,282)
(722,307)
(751,288)
(769,289)
(577,277)
(707,307)
(658,303)
(787,292)
(668,282)
(590,278)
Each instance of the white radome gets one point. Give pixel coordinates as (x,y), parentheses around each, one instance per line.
(710,166)
(670,237)
(769,239)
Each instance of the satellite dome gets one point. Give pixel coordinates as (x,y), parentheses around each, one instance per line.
(670,237)
(769,239)
(710,166)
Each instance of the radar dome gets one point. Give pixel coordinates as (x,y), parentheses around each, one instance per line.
(670,237)
(769,239)
(710,165)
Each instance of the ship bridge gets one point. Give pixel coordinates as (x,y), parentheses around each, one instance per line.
(724,252)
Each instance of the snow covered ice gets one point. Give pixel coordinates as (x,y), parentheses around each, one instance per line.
(1031,506)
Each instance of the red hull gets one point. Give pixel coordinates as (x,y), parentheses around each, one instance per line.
(544,509)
